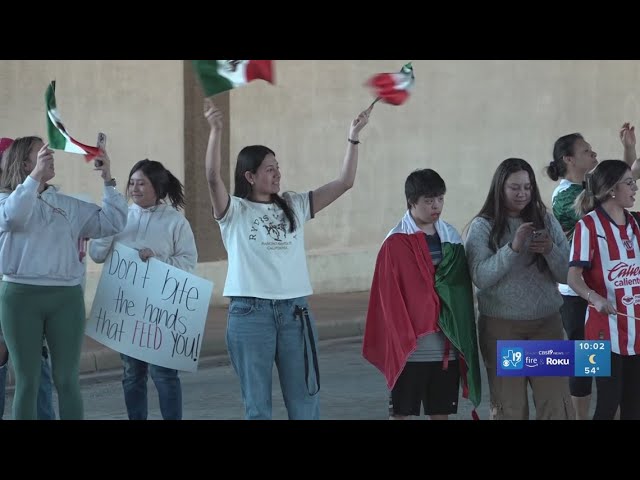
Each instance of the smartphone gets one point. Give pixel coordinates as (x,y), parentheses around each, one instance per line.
(539,234)
(101,143)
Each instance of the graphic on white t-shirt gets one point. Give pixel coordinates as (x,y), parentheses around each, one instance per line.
(272,230)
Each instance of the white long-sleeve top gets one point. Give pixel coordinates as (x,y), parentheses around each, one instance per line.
(161,228)
(39,232)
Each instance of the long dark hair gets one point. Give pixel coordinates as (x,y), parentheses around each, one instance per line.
(164,182)
(249,160)
(494,209)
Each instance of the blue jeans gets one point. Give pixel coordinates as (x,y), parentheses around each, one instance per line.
(261,332)
(134,384)
(45,392)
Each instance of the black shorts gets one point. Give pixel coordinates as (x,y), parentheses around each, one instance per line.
(428,384)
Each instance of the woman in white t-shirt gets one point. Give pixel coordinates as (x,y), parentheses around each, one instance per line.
(267,279)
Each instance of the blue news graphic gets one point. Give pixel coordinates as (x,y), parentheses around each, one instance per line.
(551,358)
(593,358)
(511,358)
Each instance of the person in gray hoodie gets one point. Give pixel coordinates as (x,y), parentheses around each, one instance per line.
(156,229)
(45,391)
(41,293)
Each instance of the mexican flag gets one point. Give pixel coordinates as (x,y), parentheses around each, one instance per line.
(393,88)
(411,298)
(217,76)
(59,139)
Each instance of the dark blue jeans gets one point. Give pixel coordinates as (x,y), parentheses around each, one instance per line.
(134,384)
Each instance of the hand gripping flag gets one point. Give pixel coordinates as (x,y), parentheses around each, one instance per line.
(59,139)
(393,88)
(217,76)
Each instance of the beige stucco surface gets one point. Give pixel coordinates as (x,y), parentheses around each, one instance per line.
(463,119)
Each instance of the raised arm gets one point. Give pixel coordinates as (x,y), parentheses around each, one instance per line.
(112,217)
(16,209)
(327,194)
(213,160)
(628,139)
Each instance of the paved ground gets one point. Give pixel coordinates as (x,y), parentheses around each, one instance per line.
(351,389)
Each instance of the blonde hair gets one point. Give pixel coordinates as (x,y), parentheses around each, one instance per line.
(13,167)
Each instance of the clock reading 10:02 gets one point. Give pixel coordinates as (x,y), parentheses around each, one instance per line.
(592,358)
(587,345)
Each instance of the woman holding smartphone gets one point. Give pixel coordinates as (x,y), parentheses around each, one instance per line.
(517,254)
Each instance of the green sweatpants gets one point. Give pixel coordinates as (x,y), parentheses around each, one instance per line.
(26,313)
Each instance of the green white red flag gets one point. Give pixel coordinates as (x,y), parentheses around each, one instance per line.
(217,76)
(393,88)
(59,139)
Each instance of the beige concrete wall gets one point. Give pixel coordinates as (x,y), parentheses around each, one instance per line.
(138,104)
(463,119)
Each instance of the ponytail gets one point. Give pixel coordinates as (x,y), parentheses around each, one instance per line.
(175,192)
(556,169)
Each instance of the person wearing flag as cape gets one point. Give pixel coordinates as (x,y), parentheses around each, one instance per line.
(41,292)
(420,328)
(267,279)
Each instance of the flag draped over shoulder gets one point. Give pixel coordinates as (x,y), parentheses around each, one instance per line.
(59,139)
(393,88)
(410,298)
(217,76)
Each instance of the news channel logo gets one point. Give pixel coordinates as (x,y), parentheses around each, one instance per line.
(549,358)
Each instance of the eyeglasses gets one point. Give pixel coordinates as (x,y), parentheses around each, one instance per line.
(630,182)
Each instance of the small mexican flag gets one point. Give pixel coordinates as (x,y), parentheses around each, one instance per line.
(393,88)
(59,139)
(217,76)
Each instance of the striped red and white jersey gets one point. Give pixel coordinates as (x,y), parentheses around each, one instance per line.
(610,256)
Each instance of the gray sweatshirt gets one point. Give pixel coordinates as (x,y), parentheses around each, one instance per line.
(508,284)
(162,229)
(39,232)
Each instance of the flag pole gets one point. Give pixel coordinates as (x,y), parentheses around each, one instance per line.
(374,102)
(619,313)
